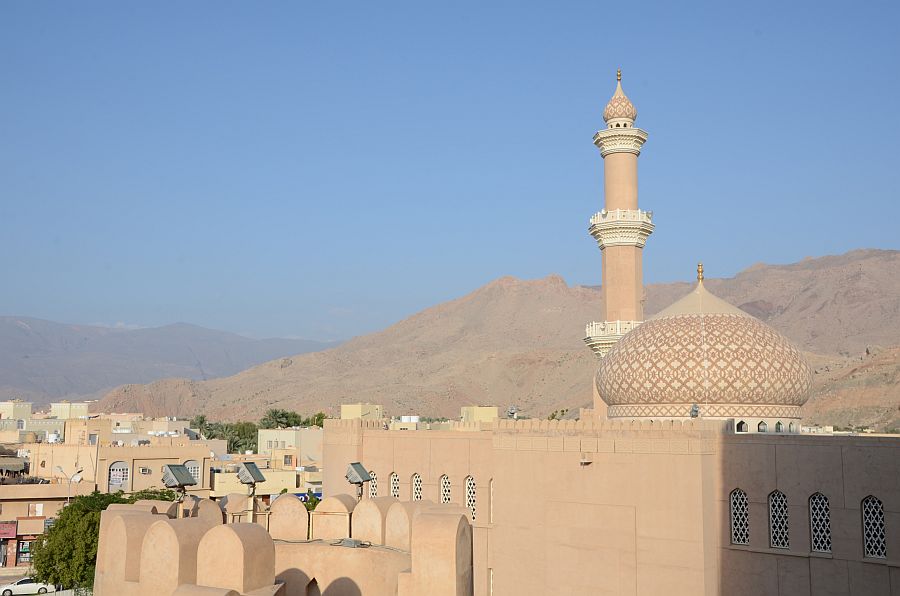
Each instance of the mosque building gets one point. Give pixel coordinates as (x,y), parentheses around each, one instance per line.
(689,476)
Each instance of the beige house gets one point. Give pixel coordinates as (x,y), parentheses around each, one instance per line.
(128,469)
(479,413)
(67,409)
(362,411)
(15,409)
(304,442)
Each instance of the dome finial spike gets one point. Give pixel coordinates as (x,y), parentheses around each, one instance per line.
(700,272)
(618,74)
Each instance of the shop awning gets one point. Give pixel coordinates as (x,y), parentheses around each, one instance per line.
(11,464)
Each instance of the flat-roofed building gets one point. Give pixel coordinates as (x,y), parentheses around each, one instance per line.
(67,409)
(362,411)
(15,409)
(479,413)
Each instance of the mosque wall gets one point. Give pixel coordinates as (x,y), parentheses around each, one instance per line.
(643,507)
(825,481)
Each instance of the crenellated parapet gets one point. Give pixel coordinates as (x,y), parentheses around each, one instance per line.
(416,548)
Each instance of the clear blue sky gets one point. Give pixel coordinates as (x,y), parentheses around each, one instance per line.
(325,169)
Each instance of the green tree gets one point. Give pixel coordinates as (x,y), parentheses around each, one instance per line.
(311,500)
(240,436)
(275,418)
(66,554)
(318,419)
(200,423)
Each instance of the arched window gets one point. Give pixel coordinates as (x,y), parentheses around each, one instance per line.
(741,427)
(874,540)
(740,517)
(470,495)
(118,476)
(445,489)
(20,425)
(819,524)
(762,427)
(792,427)
(778,521)
(193,466)
(373,484)
(395,485)
(416,487)
(779,427)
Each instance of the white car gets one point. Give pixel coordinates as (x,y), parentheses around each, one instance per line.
(26,586)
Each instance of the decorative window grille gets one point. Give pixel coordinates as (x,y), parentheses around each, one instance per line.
(762,427)
(416,487)
(118,476)
(819,523)
(470,495)
(395,485)
(445,489)
(778,521)
(373,485)
(194,468)
(874,541)
(740,517)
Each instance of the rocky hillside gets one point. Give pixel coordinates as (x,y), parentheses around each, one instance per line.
(42,360)
(519,342)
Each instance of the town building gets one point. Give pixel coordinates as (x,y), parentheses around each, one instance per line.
(479,413)
(362,411)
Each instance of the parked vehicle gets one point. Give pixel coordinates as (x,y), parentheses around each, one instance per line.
(26,585)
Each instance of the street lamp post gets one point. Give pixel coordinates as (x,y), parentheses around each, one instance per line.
(76,478)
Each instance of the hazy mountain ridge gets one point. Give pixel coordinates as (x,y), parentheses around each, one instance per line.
(519,342)
(42,360)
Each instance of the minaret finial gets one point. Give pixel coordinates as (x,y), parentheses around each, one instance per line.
(700,272)
(618,74)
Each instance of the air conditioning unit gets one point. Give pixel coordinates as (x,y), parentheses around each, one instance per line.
(146,471)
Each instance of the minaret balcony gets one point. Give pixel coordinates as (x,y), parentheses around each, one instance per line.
(620,140)
(621,227)
(601,336)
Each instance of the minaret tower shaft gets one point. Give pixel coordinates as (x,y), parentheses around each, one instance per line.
(621,228)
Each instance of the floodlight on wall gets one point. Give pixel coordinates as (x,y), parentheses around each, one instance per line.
(357,475)
(178,477)
(248,473)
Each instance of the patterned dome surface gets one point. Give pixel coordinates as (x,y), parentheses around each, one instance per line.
(619,106)
(702,350)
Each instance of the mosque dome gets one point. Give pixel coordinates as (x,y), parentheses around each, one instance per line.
(619,110)
(704,352)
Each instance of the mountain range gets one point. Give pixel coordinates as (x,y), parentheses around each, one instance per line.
(42,361)
(517,342)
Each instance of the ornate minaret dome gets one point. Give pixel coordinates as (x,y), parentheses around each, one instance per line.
(619,112)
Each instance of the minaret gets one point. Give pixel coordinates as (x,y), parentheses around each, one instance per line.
(621,229)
